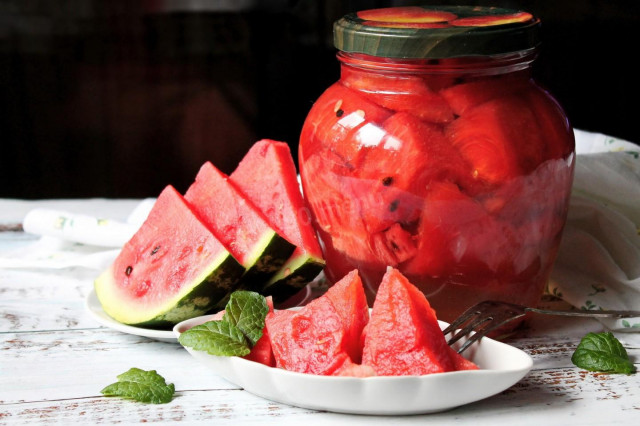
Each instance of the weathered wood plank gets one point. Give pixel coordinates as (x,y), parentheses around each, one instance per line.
(56,365)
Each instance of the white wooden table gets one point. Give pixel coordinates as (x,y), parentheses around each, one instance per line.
(55,359)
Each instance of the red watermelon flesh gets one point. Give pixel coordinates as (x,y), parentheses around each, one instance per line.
(172,269)
(407,93)
(236,222)
(464,96)
(499,138)
(403,335)
(310,340)
(348,298)
(268,178)
(335,122)
(324,335)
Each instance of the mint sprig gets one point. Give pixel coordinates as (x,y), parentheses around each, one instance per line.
(141,385)
(240,328)
(602,352)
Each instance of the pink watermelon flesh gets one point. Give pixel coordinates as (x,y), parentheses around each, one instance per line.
(323,337)
(238,224)
(403,336)
(169,253)
(267,177)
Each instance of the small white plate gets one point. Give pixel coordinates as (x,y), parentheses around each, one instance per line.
(92,304)
(501,366)
(94,307)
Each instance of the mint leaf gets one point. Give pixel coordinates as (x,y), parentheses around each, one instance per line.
(604,353)
(247,310)
(218,338)
(141,385)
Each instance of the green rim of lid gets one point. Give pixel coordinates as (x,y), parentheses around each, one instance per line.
(436,32)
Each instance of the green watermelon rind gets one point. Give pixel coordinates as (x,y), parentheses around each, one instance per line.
(267,257)
(213,284)
(296,273)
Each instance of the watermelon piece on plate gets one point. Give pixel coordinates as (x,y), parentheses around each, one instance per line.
(403,336)
(267,177)
(171,270)
(323,337)
(239,225)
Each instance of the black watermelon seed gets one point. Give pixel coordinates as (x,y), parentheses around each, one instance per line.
(393,206)
(339,113)
(387,181)
(155,250)
(128,271)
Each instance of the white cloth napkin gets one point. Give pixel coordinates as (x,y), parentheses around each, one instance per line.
(598,264)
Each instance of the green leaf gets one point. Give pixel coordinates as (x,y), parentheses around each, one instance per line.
(219,338)
(141,385)
(604,353)
(247,310)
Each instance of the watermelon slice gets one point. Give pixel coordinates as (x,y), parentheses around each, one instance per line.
(267,177)
(403,336)
(406,93)
(172,269)
(239,225)
(324,336)
(464,96)
(499,138)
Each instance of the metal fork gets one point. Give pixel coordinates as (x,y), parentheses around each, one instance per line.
(484,317)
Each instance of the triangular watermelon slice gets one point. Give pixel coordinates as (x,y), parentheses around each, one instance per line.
(267,177)
(403,336)
(239,225)
(172,269)
(324,336)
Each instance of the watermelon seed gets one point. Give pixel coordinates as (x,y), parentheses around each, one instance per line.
(339,113)
(387,181)
(155,250)
(128,270)
(393,206)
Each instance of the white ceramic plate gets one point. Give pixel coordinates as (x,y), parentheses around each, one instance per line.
(93,306)
(501,367)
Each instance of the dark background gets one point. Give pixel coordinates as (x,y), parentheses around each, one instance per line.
(120,98)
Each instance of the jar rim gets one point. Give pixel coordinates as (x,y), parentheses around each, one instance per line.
(436,32)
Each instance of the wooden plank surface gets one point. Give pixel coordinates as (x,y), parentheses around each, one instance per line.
(55,359)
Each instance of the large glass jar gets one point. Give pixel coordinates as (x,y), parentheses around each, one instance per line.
(438,154)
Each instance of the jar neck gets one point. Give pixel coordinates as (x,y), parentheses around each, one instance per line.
(469,65)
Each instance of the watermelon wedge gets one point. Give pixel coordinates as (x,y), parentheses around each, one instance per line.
(403,336)
(239,225)
(324,336)
(267,177)
(172,269)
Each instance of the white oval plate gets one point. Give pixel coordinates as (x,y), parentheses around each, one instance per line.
(501,367)
(92,304)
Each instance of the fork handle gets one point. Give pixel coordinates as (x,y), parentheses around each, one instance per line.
(591,314)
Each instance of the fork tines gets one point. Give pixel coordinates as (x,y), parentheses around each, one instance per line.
(481,319)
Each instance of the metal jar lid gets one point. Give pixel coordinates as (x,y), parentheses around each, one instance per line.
(436,32)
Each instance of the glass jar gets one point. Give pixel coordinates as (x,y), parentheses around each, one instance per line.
(438,154)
